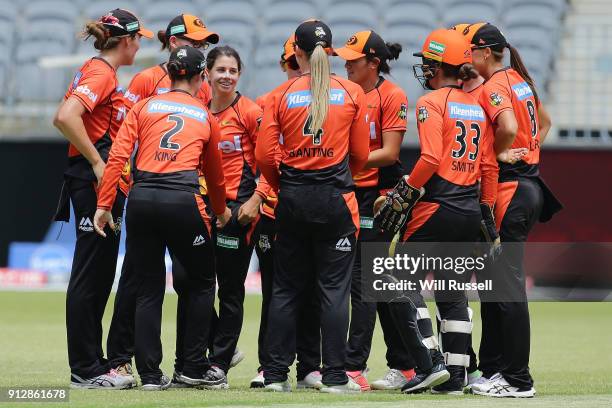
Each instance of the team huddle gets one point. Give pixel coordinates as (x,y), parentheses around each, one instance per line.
(304,176)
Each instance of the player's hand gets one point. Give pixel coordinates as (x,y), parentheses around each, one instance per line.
(488,231)
(101,218)
(511,156)
(224,218)
(249,210)
(394,211)
(98,169)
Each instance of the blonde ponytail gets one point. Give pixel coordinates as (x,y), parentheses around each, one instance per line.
(319,87)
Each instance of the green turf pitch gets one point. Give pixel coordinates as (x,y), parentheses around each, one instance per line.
(571,361)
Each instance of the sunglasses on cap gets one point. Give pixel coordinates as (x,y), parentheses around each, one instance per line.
(480,47)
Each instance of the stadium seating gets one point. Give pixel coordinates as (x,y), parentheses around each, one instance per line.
(258,28)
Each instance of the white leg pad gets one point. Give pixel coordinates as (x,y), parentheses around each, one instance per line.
(455,326)
(431,343)
(457,359)
(423,313)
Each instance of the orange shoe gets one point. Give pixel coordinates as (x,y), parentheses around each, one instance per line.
(359,378)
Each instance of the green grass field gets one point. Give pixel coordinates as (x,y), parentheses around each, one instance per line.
(571,361)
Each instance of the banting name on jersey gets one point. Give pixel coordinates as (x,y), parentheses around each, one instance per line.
(466,112)
(177,108)
(522,90)
(303,98)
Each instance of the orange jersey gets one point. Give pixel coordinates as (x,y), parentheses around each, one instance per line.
(95,86)
(451,126)
(309,157)
(155,81)
(239,124)
(265,191)
(489,168)
(176,138)
(387,112)
(261,100)
(507,90)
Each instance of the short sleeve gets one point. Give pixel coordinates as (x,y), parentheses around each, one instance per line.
(93,87)
(495,98)
(395,112)
(430,122)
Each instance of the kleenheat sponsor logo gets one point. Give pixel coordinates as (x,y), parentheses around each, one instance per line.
(522,90)
(465,112)
(178,109)
(303,98)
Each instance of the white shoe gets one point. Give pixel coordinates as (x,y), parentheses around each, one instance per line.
(393,380)
(472,379)
(500,388)
(484,383)
(312,380)
(109,381)
(284,386)
(125,370)
(258,380)
(162,384)
(237,357)
(350,387)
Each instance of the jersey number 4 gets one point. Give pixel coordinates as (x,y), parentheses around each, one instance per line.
(316,136)
(165,142)
(460,138)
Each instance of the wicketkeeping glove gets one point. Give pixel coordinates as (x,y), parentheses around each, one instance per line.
(488,232)
(394,212)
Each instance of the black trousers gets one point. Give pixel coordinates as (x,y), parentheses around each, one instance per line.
(91,280)
(431,222)
(156,219)
(233,255)
(120,340)
(363,314)
(308,342)
(505,342)
(315,243)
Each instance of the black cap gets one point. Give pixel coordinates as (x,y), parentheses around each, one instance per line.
(120,22)
(311,33)
(489,36)
(190,60)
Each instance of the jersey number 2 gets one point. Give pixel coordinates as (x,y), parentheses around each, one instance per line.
(165,142)
(316,137)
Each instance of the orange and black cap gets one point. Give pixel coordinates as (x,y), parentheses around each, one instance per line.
(120,22)
(446,46)
(468,30)
(288,51)
(191,27)
(189,59)
(311,33)
(364,43)
(483,35)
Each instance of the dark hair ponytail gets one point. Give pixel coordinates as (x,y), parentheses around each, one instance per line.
(161,36)
(104,40)
(516,62)
(395,50)
(177,71)
(467,72)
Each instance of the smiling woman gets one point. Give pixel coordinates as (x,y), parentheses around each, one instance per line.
(238,119)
